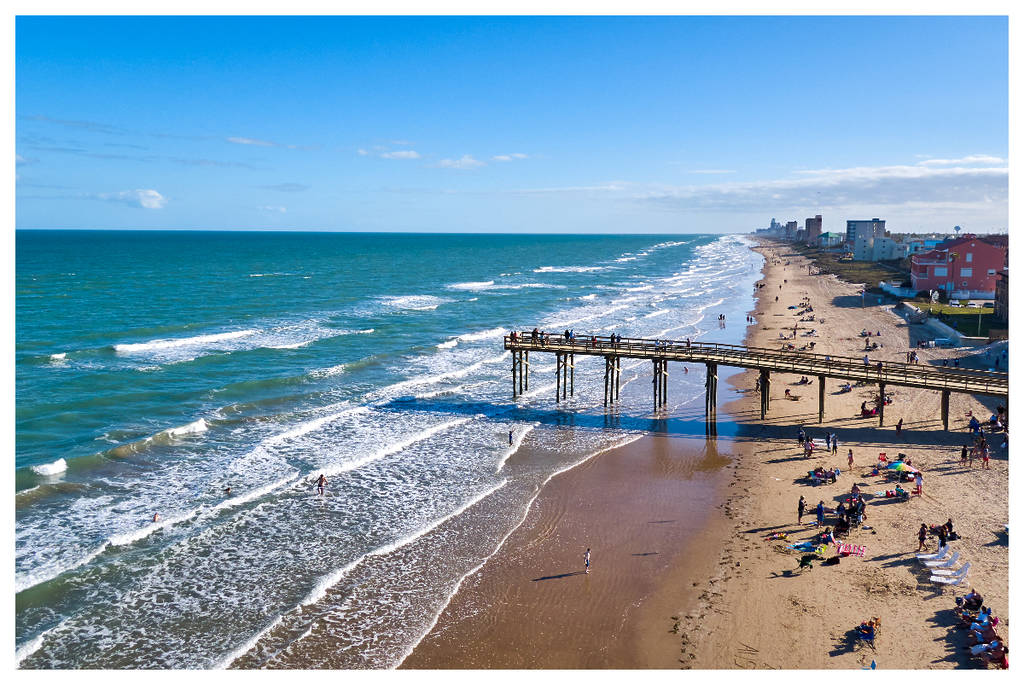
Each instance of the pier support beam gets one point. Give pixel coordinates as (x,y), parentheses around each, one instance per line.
(766,391)
(881,404)
(572,375)
(558,377)
(526,369)
(945,410)
(711,399)
(664,382)
(607,373)
(821,399)
(617,368)
(515,370)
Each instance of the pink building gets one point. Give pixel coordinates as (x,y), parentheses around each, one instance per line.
(964,267)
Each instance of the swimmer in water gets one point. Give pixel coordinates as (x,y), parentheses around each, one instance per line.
(156,517)
(321,483)
(227,490)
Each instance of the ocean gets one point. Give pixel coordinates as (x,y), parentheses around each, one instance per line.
(155,370)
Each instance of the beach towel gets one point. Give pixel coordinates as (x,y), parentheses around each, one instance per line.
(802,546)
(847,549)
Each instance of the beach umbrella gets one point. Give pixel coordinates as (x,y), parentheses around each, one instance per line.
(900,466)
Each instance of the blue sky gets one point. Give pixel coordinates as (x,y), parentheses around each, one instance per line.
(539,124)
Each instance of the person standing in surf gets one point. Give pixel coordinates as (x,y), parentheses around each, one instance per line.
(510,437)
(321,483)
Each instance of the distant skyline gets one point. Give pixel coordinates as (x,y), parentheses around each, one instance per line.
(511,124)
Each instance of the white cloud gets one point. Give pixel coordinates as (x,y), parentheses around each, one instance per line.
(834,189)
(278,209)
(362,152)
(509,157)
(970,159)
(400,154)
(464,162)
(251,141)
(146,199)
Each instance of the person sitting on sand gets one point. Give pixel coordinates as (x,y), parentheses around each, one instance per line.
(866,631)
(972,601)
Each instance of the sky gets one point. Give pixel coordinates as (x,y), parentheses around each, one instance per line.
(511,124)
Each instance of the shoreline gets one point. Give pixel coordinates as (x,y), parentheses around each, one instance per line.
(751,609)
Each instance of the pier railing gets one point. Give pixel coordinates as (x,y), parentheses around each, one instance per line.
(882,371)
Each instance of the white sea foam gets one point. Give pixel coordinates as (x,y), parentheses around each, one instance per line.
(414,302)
(292,346)
(312,425)
(517,441)
(482,335)
(33,645)
(255,493)
(25,581)
(199,426)
(569,269)
(448,344)
(332,579)
(51,469)
(471,285)
(144,532)
(395,447)
(232,656)
(425,380)
(660,312)
(58,357)
(198,340)
(329,371)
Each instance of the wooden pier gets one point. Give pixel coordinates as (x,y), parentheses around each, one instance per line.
(766,361)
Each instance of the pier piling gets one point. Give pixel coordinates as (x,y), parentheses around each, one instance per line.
(945,410)
(821,399)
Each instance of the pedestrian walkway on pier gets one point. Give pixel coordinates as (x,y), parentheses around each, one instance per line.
(767,361)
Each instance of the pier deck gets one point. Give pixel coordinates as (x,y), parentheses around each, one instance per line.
(767,361)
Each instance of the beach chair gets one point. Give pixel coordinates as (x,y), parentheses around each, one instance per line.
(933,555)
(948,571)
(943,564)
(957,579)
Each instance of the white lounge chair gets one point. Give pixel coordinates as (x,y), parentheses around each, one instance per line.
(960,577)
(947,571)
(934,555)
(943,564)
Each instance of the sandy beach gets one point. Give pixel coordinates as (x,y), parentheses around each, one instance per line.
(669,589)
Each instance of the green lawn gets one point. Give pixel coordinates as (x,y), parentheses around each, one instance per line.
(869,273)
(965,319)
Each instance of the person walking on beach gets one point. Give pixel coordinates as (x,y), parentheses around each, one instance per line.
(800,506)
(849,459)
(321,483)
(835,444)
(922,535)
(820,511)
(899,426)
(919,484)
(586,561)
(828,442)
(801,437)
(963,455)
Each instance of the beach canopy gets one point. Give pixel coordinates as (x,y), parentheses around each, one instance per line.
(900,466)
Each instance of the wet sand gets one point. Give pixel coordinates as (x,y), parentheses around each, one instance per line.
(645,510)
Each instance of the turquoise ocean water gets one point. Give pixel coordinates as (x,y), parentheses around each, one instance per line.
(156,369)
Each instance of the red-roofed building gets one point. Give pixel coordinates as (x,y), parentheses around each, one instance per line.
(963,268)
